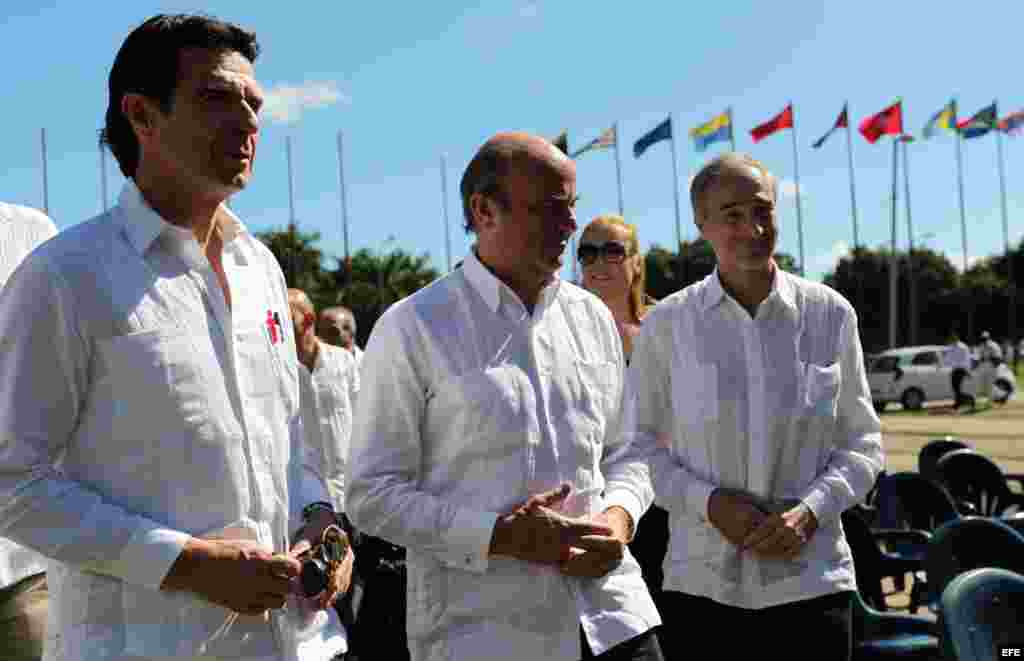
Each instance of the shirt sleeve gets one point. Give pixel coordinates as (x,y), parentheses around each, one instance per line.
(383,497)
(626,473)
(857,457)
(45,363)
(677,488)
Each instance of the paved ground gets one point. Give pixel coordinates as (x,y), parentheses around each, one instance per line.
(997,432)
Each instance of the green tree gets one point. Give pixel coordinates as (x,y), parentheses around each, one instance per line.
(372,282)
(300,259)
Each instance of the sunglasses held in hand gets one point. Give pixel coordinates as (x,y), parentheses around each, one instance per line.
(323,560)
(612,252)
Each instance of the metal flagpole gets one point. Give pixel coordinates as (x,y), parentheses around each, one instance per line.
(796,175)
(103,177)
(853,190)
(893,261)
(675,181)
(46,179)
(292,256)
(963,226)
(911,267)
(575,262)
(444,211)
(618,167)
(344,202)
(1012,317)
(732,133)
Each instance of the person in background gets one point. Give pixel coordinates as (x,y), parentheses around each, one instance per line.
(958,356)
(754,411)
(488,438)
(23,593)
(337,325)
(613,269)
(150,407)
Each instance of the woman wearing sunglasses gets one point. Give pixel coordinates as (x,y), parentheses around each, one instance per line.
(613,268)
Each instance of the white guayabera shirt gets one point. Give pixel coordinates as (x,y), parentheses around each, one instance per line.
(328,399)
(469,404)
(21,230)
(144,411)
(777,405)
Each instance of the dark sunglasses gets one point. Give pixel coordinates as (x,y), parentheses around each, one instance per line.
(612,252)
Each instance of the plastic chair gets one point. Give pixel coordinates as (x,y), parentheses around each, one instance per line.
(970,543)
(872,563)
(981,611)
(877,634)
(911,501)
(975,479)
(929,455)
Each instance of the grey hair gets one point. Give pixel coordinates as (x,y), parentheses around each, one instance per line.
(714,169)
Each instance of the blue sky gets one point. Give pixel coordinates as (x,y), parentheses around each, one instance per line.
(408,82)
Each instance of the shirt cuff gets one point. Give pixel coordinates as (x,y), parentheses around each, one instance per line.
(627,501)
(698,493)
(817,501)
(149,555)
(469,540)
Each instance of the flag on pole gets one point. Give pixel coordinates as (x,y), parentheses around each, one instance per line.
(604,141)
(1012,123)
(944,119)
(562,141)
(842,122)
(981,123)
(660,132)
(887,122)
(718,129)
(784,120)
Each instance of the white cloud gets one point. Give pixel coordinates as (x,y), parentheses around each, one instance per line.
(286,102)
(787,188)
(531,10)
(957,260)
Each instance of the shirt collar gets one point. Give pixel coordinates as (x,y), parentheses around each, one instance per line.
(783,289)
(143,225)
(491,289)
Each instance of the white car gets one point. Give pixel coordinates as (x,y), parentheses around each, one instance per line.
(910,376)
(915,375)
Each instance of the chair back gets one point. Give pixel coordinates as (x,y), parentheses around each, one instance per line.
(929,455)
(970,543)
(910,500)
(867,559)
(975,479)
(981,611)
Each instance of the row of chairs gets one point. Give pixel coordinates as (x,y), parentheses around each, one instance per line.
(955,515)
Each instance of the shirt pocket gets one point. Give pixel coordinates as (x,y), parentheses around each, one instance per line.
(819,390)
(147,370)
(695,394)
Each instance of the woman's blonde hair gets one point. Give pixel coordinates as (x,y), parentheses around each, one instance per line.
(638,299)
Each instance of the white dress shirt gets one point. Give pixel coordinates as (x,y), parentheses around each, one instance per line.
(145,411)
(328,395)
(469,404)
(777,405)
(21,230)
(957,355)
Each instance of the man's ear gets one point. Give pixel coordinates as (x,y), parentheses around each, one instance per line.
(483,209)
(139,111)
(308,321)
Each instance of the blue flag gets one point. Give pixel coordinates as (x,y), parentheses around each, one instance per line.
(661,132)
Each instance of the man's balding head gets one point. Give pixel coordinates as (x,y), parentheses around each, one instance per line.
(729,164)
(496,158)
(337,325)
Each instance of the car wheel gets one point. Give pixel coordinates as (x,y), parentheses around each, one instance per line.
(913,399)
(879,406)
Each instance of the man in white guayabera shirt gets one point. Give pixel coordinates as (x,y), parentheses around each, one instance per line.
(153,401)
(23,593)
(753,406)
(482,395)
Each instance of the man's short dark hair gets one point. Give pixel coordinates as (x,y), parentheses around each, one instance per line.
(483,175)
(147,64)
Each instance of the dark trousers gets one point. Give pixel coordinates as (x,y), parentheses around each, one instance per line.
(957,376)
(812,629)
(644,647)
